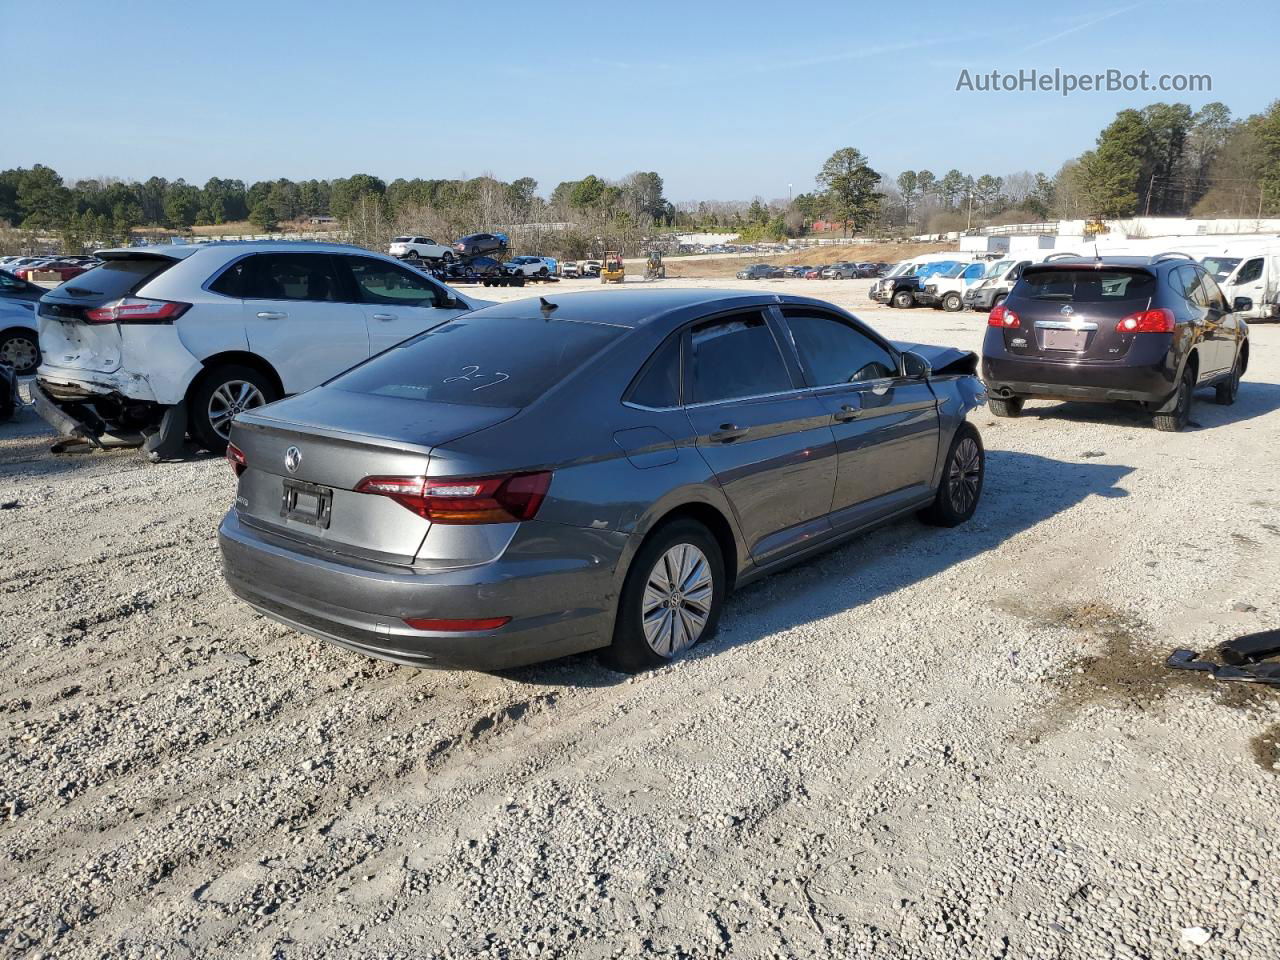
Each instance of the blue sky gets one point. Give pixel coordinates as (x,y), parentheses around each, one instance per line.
(726,101)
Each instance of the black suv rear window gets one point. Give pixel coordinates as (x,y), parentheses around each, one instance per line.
(114,279)
(488,361)
(1086,286)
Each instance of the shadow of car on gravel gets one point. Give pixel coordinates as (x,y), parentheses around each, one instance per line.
(1255,400)
(1021,490)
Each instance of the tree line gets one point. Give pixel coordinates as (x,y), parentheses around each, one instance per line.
(1164,159)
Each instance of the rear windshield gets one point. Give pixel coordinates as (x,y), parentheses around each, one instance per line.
(1086,286)
(486,361)
(114,279)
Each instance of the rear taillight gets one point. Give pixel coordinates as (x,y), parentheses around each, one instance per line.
(1160,320)
(452,626)
(137,310)
(1002,316)
(235,456)
(505,499)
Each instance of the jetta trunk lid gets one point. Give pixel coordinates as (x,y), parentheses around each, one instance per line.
(315,448)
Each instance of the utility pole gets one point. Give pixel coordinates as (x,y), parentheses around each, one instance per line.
(788,194)
(968,223)
(1150,187)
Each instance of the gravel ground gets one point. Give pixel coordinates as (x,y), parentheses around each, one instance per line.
(929,743)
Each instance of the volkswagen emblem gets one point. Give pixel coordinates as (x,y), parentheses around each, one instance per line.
(292,459)
(1067,310)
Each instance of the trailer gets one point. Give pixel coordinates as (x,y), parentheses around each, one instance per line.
(491,272)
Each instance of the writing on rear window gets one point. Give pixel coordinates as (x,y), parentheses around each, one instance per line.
(491,361)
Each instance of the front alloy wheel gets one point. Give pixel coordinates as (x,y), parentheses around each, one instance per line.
(677,600)
(964,476)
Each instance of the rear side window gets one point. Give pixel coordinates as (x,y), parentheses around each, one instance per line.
(115,278)
(485,361)
(659,383)
(736,358)
(290,276)
(1086,286)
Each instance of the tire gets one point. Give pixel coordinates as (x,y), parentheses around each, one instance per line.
(903,300)
(21,350)
(673,622)
(1176,419)
(1226,392)
(544,272)
(998,300)
(1005,407)
(413,256)
(448,256)
(232,387)
(952,303)
(960,488)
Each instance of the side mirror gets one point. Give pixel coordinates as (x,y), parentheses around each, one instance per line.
(915,367)
(1241,304)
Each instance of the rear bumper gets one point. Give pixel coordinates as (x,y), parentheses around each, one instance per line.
(559,590)
(1148,374)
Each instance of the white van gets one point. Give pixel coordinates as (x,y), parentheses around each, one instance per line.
(1256,276)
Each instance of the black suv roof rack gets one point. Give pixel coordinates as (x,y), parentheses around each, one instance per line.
(1171,254)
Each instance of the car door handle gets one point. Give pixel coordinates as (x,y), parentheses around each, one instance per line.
(847,413)
(272,315)
(729,432)
(384,316)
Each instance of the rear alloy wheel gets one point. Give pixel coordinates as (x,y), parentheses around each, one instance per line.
(1224,393)
(20,350)
(447,256)
(952,303)
(903,300)
(961,485)
(219,395)
(1005,407)
(1176,419)
(671,599)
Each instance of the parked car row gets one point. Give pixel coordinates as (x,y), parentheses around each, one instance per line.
(841,270)
(64,268)
(420,247)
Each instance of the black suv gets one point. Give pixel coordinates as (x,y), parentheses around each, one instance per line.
(1144,329)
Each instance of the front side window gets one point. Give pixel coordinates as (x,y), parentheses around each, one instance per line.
(832,351)
(1251,271)
(735,358)
(381,282)
(288,276)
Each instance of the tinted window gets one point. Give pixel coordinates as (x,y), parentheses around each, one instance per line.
(1251,271)
(736,358)
(382,282)
(487,361)
(115,278)
(289,276)
(659,382)
(1086,286)
(832,351)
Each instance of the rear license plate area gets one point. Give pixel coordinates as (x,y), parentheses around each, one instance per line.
(1073,340)
(306,503)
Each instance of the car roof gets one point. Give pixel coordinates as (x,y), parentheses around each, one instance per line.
(637,308)
(180,251)
(1101,263)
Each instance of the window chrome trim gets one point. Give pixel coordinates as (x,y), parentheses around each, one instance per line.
(1082,325)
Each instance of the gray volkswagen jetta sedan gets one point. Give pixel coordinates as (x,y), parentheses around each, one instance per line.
(537,479)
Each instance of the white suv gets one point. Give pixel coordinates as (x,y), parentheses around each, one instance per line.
(420,248)
(161,341)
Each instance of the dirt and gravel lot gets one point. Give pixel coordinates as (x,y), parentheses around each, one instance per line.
(930,743)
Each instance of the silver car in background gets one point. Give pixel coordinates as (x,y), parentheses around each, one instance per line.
(537,479)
